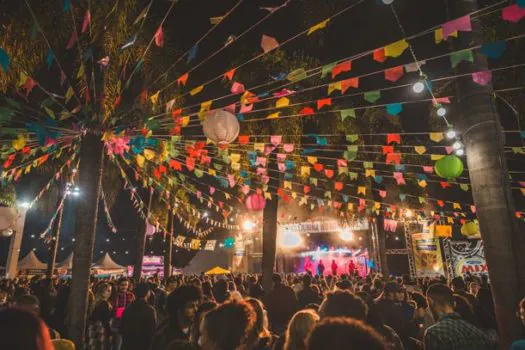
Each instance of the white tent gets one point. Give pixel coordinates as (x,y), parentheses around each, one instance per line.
(106,265)
(67,263)
(31,262)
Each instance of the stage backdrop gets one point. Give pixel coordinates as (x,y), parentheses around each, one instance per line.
(427,255)
(466,256)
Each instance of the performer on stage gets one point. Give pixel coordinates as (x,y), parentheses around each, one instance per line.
(320,268)
(308,266)
(351,268)
(334,268)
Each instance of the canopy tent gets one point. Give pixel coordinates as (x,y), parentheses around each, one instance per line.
(106,265)
(31,262)
(67,263)
(217,270)
(205,260)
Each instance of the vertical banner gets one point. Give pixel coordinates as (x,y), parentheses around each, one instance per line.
(467,257)
(427,255)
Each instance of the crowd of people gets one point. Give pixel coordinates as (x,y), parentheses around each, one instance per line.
(300,311)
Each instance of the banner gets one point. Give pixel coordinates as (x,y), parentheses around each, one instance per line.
(466,257)
(427,255)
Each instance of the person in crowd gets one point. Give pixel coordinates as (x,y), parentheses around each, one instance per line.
(123,298)
(30,303)
(459,287)
(341,333)
(195,330)
(281,304)
(451,331)
(320,268)
(183,304)
(262,338)
(298,330)
(207,292)
(138,321)
(351,267)
(307,295)
(220,291)
(520,344)
(24,330)
(102,308)
(395,312)
(334,268)
(255,289)
(228,327)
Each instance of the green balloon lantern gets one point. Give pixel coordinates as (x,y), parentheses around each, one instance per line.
(449,167)
(470,229)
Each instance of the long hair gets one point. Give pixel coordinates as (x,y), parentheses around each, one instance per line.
(299,328)
(23,330)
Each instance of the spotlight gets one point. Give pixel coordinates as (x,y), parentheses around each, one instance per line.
(460,152)
(25,205)
(290,239)
(418,87)
(388,2)
(451,134)
(205,215)
(247,225)
(409,213)
(457,145)
(442,111)
(347,235)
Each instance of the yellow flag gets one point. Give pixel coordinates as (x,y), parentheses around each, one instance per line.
(236,166)
(294,195)
(149,154)
(267,195)
(350,206)
(450,220)
(140,160)
(438,35)
(521,189)
(396,49)
(436,156)
(311,160)
(282,102)
(361,190)
(420,149)
(377,205)
(436,136)
(155,97)
(333,87)
(235,157)
(422,183)
(212,172)
(195,91)
(273,115)
(185,121)
(287,184)
(370,172)
(456,206)
(258,146)
(227,195)
(206,106)
(28,169)
(305,171)
(318,26)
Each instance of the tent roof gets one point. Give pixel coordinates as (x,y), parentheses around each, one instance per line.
(106,263)
(217,270)
(67,263)
(31,262)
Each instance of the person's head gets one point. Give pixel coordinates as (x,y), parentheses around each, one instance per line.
(343,304)
(378,284)
(199,315)
(261,321)
(123,285)
(20,329)
(307,280)
(463,307)
(474,287)
(142,290)
(102,291)
(457,284)
(344,285)
(171,283)
(394,291)
(521,311)
(3,296)
(28,303)
(183,303)
(227,327)
(299,328)
(341,333)
(421,304)
(276,279)
(440,299)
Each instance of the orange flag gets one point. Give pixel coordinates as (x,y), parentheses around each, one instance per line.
(183,79)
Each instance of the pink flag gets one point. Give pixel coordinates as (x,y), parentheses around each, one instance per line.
(459,24)
(442,100)
(282,167)
(237,88)
(159,37)
(482,78)
(260,161)
(87,21)
(212,190)
(265,179)
(268,43)
(62,77)
(245,189)
(199,194)
(399,178)
(281,157)
(288,147)
(231,180)
(513,13)
(72,39)
(268,149)
(261,171)
(246,108)
(276,140)
(449,149)
(283,92)
(428,169)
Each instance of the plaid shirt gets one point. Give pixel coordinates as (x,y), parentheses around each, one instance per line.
(453,333)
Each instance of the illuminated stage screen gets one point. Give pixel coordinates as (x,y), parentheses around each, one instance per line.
(325,248)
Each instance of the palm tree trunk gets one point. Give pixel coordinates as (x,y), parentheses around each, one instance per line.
(482,133)
(141,247)
(381,240)
(169,247)
(270,228)
(90,183)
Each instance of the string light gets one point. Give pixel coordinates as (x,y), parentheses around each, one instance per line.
(457,145)
(450,134)
(442,111)
(460,152)
(388,2)
(418,87)
(248,225)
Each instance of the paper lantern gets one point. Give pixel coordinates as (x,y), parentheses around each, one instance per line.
(8,232)
(255,202)
(470,229)
(221,127)
(150,229)
(449,167)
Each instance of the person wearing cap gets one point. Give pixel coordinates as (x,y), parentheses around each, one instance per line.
(138,321)
(393,309)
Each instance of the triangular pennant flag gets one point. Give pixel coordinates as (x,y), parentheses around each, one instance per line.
(493,50)
(396,49)
(324,102)
(268,43)
(379,55)
(183,79)
(229,74)
(394,74)
(72,39)
(372,96)
(457,57)
(394,108)
(325,70)
(459,24)
(341,68)
(192,53)
(318,26)
(159,37)
(347,83)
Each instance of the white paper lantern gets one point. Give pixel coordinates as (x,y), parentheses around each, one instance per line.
(221,127)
